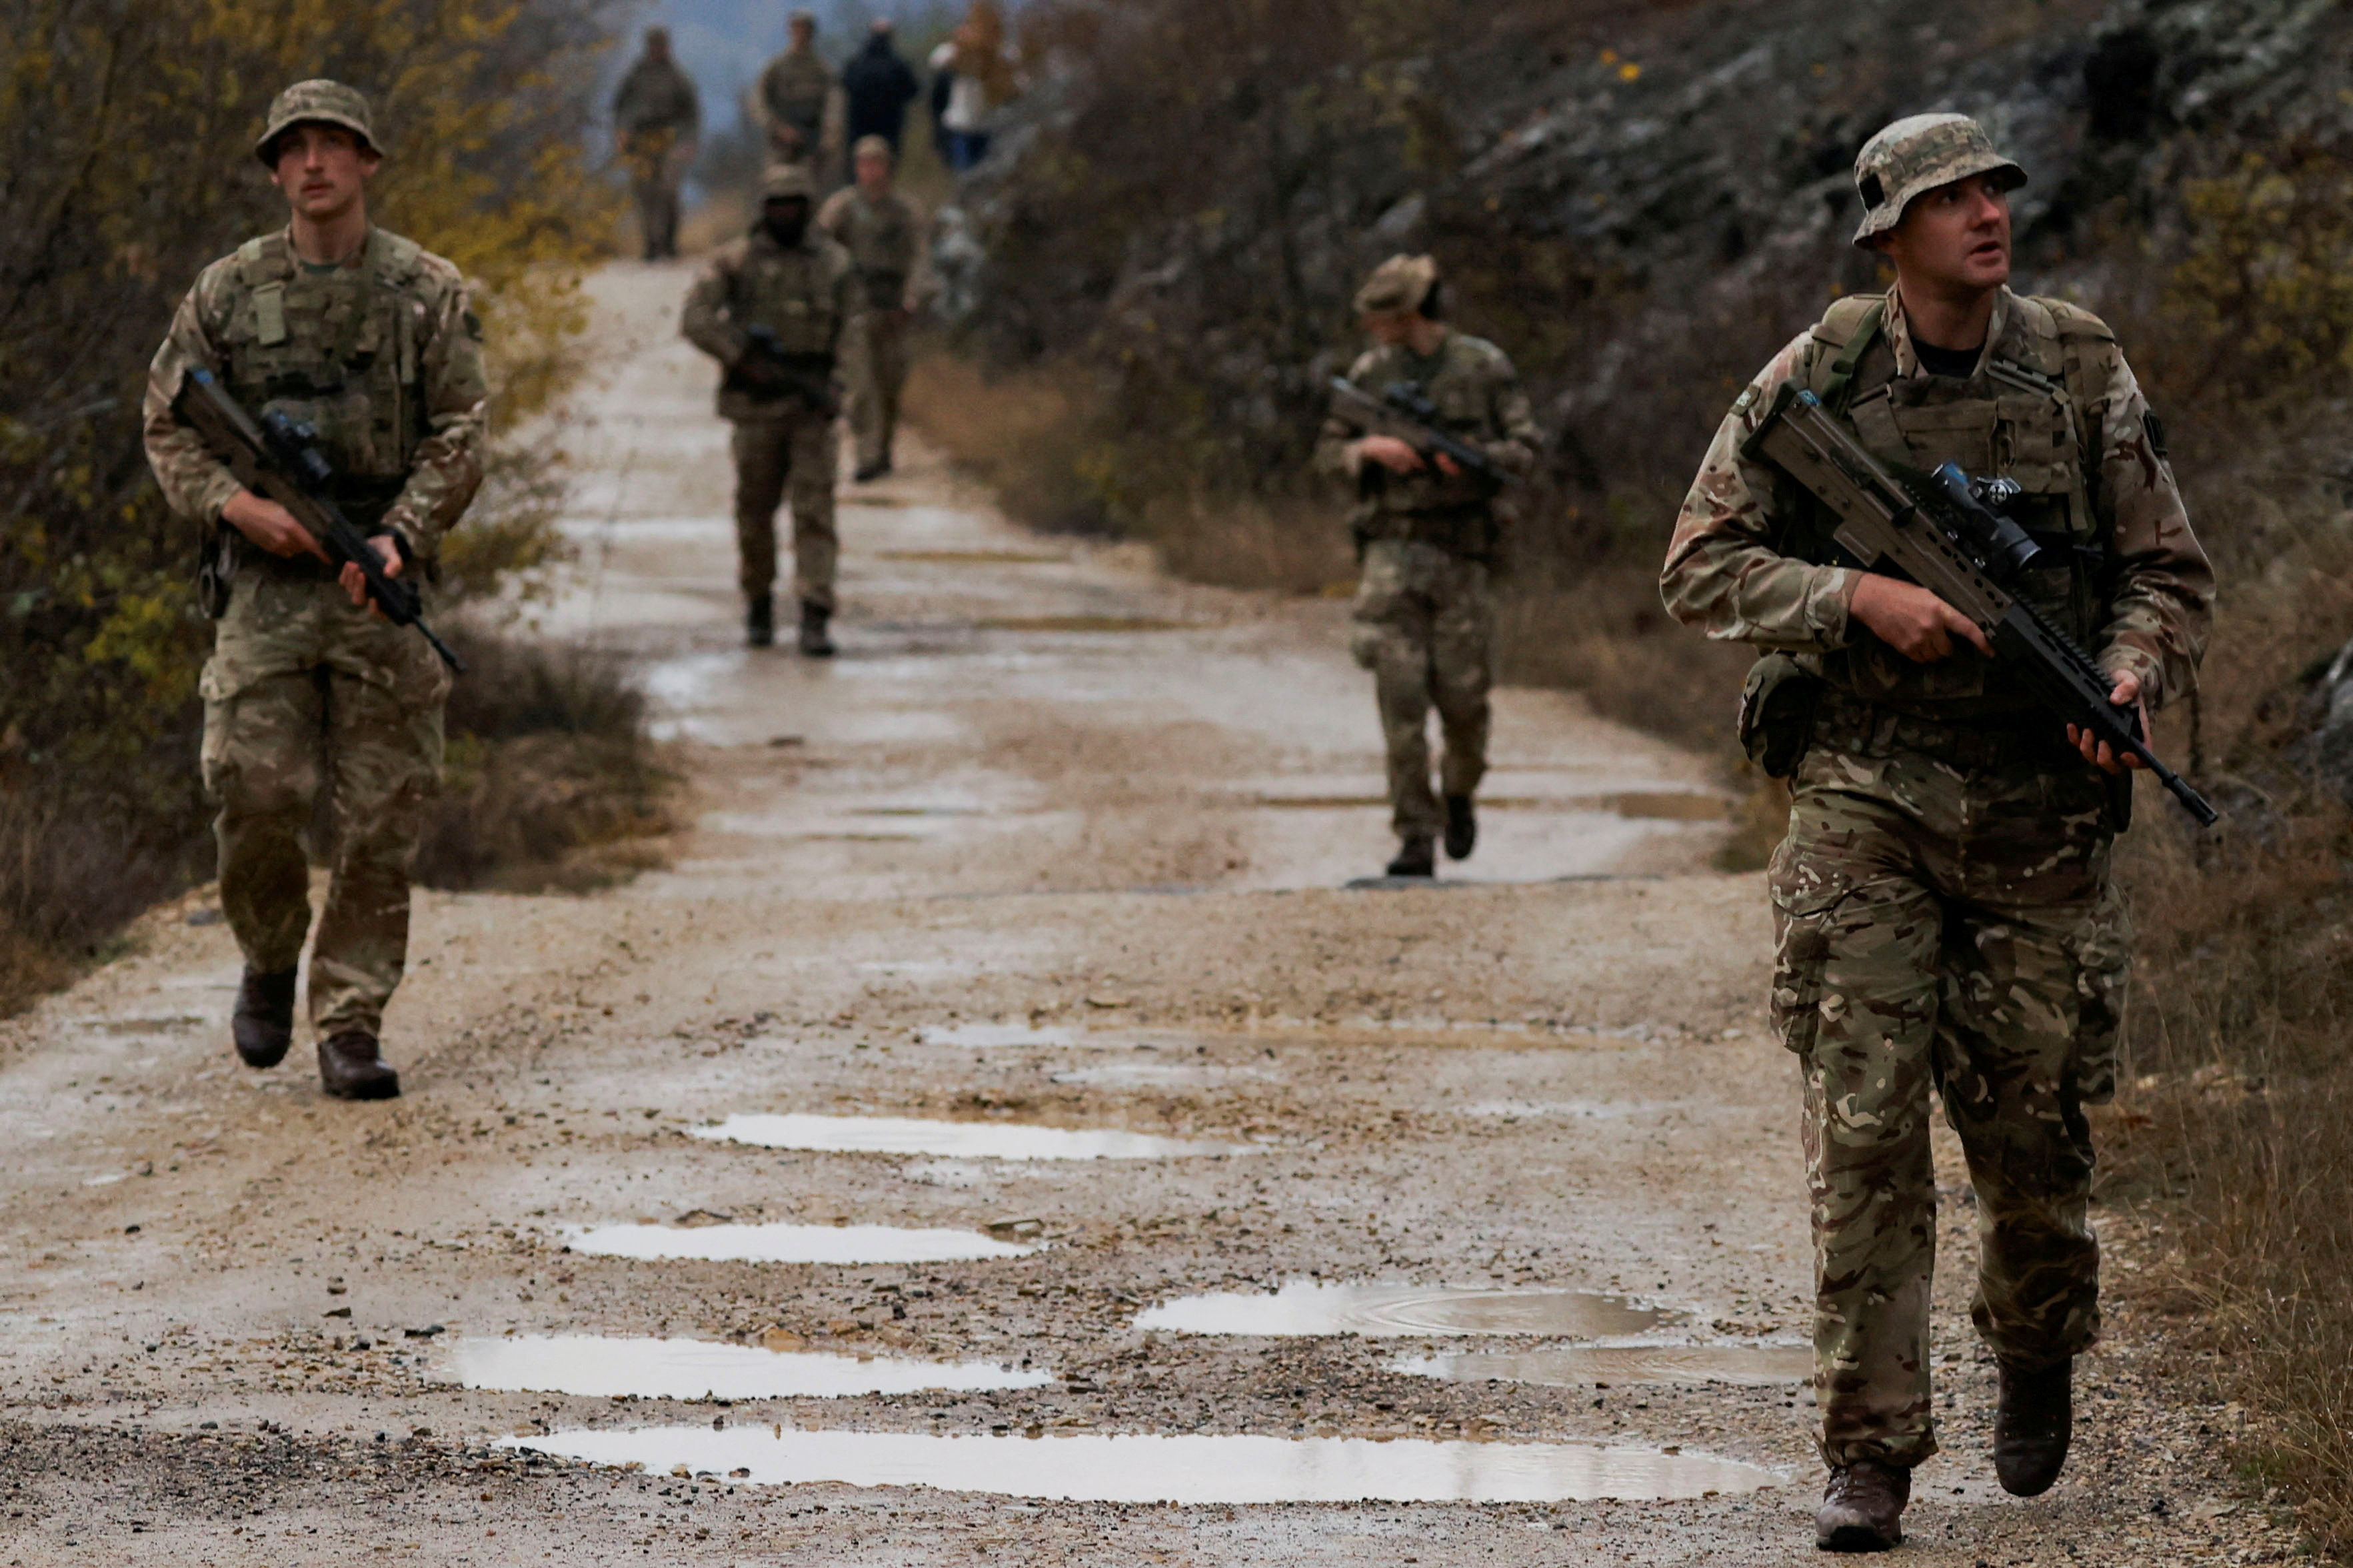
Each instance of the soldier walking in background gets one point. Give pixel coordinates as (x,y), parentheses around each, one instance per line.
(1943,900)
(1426,533)
(773,309)
(877,85)
(795,91)
(656,121)
(366,337)
(879,227)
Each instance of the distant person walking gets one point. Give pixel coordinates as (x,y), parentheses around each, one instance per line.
(879,227)
(656,121)
(877,85)
(794,93)
(971,81)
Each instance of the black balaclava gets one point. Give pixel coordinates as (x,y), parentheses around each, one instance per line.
(786,218)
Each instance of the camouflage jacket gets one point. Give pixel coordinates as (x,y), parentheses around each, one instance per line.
(380,355)
(657,96)
(883,239)
(1478,399)
(794,90)
(807,296)
(2050,385)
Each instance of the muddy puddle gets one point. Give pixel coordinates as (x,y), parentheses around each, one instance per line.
(1572,1366)
(988,1036)
(1094,1467)
(600,1368)
(1077,624)
(974,557)
(1647,805)
(1310,1306)
(788,1244)
(953,1140)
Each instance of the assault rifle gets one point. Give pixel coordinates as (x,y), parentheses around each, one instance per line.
(1942,535)
(279,457)
(1402,410)
(805,376)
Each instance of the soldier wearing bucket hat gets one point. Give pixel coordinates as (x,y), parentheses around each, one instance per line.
(774,308)
(1427,532)
(1942,902)
(367,338)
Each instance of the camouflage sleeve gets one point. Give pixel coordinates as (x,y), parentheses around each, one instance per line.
(848,300)
(1515,449)
(704,320)
(833,219)
(1335,444)
(2163,603)
(1723,575)
(195,483)
(446,469)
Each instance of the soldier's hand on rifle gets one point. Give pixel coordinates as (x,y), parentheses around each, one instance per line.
(2098,752)
(1913,621)
(354,580)
(270,525)
(1397,456)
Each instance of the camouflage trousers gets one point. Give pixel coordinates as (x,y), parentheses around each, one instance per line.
(1956,929)
(1425,626)
(792,453)
(876,356)
(657,163)
(303,692)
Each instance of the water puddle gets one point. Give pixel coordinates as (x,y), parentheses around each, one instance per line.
(601,1368)
(787,1243)
(1159,1075)
(987,1036)
(1653,805)
(1094,1467)
(1310,1306)
(1571,1366)
(1077,624)
(975,557)
(953,1140)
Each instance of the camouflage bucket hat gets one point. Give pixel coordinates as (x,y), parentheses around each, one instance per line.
(1916,156)
(785,180)
(318,102)
(1398,286)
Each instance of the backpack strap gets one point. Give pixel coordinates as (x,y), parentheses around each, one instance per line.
(1850,326)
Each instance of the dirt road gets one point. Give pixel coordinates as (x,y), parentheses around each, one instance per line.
(1009,972)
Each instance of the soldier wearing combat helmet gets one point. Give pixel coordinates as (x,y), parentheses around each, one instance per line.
(366,337)
(1942,901)
(1427,532)
(774,308)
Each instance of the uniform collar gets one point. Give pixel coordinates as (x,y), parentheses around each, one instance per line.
(1899,333)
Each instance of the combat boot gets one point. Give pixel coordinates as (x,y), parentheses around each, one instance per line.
(815,643)
(1862,1508)
(869,472)
(263,1023)
(2033,1421)
(760,621)
(1461,827)
(1415,857)
(351,1067)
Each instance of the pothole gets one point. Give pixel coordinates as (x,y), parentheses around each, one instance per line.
(1310,1306)
(1570,1366)
(788,1244)
(600,1368)
(1146,1468)
(953,1140)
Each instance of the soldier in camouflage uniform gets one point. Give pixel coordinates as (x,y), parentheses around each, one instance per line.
(1426,533)
(1943,899)
(367,337)
(879,227)
(795,90)
(656,118)
(787,280)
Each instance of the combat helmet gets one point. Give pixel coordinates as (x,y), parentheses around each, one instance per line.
(781,182)
(1916,155)
(317,102)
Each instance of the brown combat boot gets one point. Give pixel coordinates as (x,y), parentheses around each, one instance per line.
(263,1023)
(2033,1421)
(1862,1508)
(814,641)
(352,1068)
(1415,857)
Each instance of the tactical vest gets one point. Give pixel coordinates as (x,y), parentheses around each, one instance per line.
(2028,414)
(1459,514)
(790,292)
(881,237)
(341,352)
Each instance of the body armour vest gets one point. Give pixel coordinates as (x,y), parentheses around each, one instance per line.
(2025,416)
(790,292)
(339,351)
